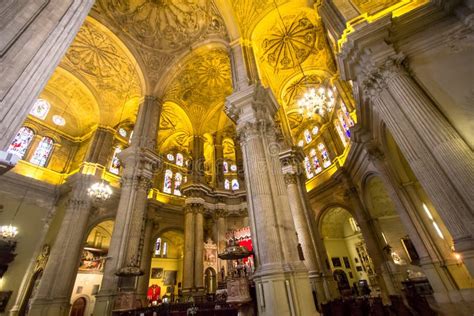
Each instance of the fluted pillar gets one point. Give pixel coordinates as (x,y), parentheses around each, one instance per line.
(199,249)
(382,268)
(139,161)
(279,271)
(221,242)
(428,168)
(35,36)
(145,263)
(439,278)
(56,285)
(188,260)
(291,160)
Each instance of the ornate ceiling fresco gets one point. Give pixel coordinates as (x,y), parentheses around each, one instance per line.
(201,86)
(159,30)
(175,128)
(99,59)
(71,98)
(285,43)
(333,221)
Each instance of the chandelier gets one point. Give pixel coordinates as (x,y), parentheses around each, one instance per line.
(99,191)
(317,101)
(8,232)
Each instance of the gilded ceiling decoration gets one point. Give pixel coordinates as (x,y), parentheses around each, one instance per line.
(373,6)
(163,25)
(298,87)
(96,56)
(290,43)
(332,225)
(175,128)
(71,99)
(201,87)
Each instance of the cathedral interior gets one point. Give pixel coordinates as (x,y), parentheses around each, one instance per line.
(236,157)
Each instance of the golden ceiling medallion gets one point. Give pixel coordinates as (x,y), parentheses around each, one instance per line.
(289,44)
(160,24)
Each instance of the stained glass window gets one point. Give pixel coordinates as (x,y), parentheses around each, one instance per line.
(350,122)
(165,249)
(40,109)
(167,181)
(324,155)
(122,132)
(233,168)
(341,134)
(115,163)
(227,184)
(158,246)
(170,157)
(178,179)
(21,142)
(235,184)
(301,143)
(179,159)
(225,165)
(315,130)
(307,136)
(314,159)
(307,167)
(130,138)
(42,152)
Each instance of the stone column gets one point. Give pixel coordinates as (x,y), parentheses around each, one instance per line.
(438,183)
(145,264)
(439,278)
(139,161)
(291,160)
(221,241)
(374,247)
(281,280)
(188,264)
(35,36)
(199,248)
(56,285)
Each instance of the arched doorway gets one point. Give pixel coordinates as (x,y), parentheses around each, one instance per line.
(210,281)
(32,288)
(347,254)
(78,307)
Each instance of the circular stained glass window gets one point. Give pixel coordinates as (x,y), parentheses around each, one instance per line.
(233,168)
(170,157)
(122,132)
(301,143)
(59,120)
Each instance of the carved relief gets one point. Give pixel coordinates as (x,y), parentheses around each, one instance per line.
(163,25)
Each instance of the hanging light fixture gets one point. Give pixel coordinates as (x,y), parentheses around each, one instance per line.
(317,101)
(8,232)
(100,191)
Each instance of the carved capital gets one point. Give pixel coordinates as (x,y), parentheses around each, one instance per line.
(290,178)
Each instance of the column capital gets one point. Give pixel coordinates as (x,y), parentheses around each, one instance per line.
(290,178)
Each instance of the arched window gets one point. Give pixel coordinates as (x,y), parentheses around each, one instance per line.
(40,109)
(341,134)
(314,159)
(348,117)
(165,249)
(158,246)
(315,130)
(179,159)
(170,157)
(178,178)
(167,181)
(324,155)
(344,123)
(225,165)
(307,167)
(42,152)
(227,184)
(115,163)
(21,142)
(307,136)
(235,184)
